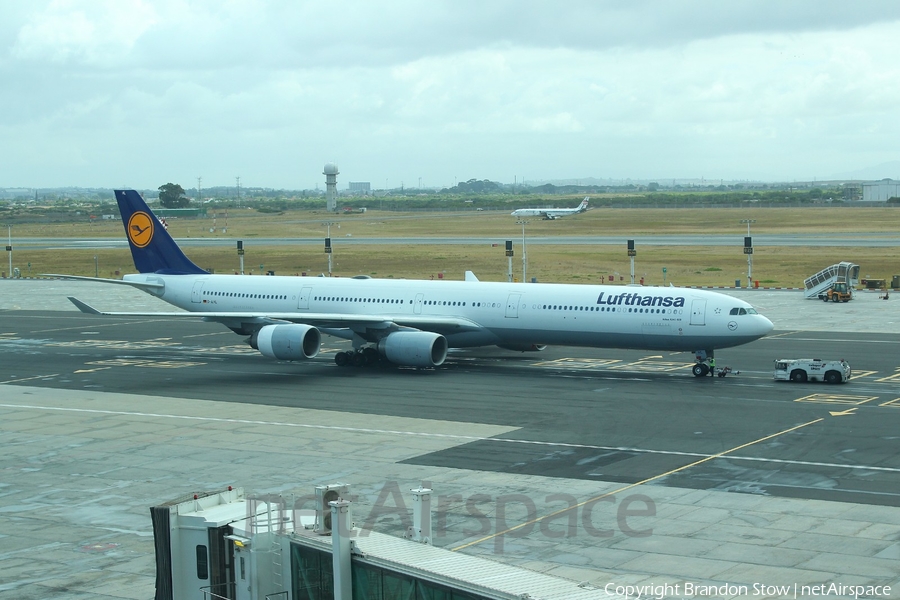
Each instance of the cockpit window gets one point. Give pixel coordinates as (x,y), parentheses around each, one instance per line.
(742,311)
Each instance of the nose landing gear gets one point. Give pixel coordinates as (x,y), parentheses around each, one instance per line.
(706,365)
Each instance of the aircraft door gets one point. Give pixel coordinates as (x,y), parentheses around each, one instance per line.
(417,307)
(698,312)
(196,293)
(303,301)
(512,306)
(243,565)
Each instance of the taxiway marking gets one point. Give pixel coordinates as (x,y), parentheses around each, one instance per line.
(31,378)
(636,484)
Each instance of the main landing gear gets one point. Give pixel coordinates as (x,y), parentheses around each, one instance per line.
(362,357)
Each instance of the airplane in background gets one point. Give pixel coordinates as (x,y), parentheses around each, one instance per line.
(414,322)
(548,214)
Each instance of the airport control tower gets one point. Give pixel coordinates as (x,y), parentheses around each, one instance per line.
(331,173)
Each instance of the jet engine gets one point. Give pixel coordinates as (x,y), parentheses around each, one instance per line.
(523,347)
(287,342)
(414,348)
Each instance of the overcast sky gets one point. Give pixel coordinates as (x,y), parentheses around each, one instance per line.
(140,93)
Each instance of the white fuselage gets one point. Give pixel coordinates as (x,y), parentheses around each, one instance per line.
(547,213)
(550,213)
(636,317)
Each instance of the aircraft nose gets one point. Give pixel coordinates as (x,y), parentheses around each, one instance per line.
(765,325)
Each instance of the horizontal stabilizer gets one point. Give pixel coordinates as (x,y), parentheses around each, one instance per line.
(141,285)
(85,308)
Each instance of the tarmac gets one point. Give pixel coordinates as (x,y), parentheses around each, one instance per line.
(80,469)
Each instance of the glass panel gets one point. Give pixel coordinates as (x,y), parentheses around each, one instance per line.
(397,587)
(366,582)
(430,591)
(312,574)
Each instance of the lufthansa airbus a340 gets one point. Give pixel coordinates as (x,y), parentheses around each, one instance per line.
(414,322)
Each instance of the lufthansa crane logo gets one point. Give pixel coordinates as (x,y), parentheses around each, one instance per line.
(140,229)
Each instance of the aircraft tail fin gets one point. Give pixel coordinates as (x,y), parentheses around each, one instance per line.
(584,203)
(152,248)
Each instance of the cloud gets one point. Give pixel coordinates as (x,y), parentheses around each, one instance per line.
(95,91)
(96,34)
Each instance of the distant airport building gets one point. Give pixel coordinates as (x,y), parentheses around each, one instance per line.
(879,191)
(852,191)
(360,187)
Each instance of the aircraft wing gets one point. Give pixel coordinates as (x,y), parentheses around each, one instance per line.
(436,324)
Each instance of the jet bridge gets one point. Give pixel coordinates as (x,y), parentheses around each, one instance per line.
(228,546)
(821,282)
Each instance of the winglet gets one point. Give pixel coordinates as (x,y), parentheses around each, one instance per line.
(85,308)
(470,276)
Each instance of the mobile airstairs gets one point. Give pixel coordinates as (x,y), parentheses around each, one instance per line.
(822,281)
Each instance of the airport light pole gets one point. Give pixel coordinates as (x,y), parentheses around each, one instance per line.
(748,250)
(9,247)
(631,254)
(523,223)
(328,225)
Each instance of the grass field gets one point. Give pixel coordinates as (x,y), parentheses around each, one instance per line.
(706,265)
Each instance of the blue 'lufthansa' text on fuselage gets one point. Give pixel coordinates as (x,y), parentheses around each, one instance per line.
(631,299)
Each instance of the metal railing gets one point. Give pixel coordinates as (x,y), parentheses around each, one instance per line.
(209,594)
